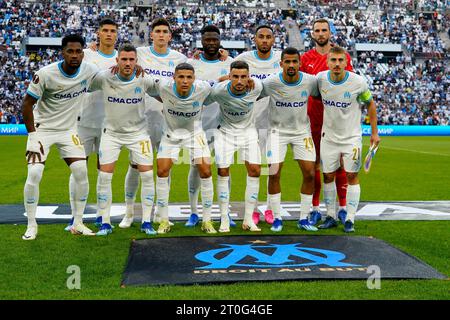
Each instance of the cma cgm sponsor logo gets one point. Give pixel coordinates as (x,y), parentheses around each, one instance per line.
(183,114)
(260,76)
(337,104)
(270,256)
(161,73)
(296,104)
(70,95)
(124,100)
(236,113)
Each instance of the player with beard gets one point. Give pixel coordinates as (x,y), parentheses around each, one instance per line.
(313,62)
(263,62)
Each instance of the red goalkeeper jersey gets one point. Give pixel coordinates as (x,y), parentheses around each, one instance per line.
(313,62)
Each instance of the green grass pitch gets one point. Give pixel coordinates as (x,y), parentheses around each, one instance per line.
(405,168)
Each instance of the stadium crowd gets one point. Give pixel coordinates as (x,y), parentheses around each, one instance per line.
(406,92)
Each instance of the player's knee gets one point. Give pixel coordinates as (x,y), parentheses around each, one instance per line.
(328,177)
(35,172)
(204,172)
(79,171)
(223,172)
(163,172)
(352,177)
(254,171)
(308,176)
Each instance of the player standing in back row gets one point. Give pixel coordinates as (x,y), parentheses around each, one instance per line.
(263,62)
(313,62)
(342,93)
(92,114)
(207,67)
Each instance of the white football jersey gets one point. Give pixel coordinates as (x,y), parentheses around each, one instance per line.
(342,105)
(236,111)
(182,114)
(60,95)
(124,101)
(210,70)
(261,68)
(288,102)
(92,111)
(159,66)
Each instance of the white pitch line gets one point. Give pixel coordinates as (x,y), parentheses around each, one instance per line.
(402,149)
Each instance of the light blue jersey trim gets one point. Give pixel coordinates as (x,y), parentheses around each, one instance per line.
(33,95)
(208,61)
(112,55)
(255,53)
(180,97)
(292,84)
(159,55)
(125,80)
(232,94)
(347,74)
(65,74)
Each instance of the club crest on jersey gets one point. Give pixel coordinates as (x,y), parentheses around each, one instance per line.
(138,90)
(84,83)
(347,95)
(250,105)
(276,65)
(223,72)
(171,64)
(304,94)
(196,104)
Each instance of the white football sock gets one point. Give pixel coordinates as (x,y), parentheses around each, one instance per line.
(207,190)
(275,203)
(269,203)
(131,187)
(97,213)
(162,192)
(147,194)
(71,193)
(104,195)
(81,189)
(353,194)
(31,191)
(223,194)
(329,197)
(305,205)
(251,196)
(193,187)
